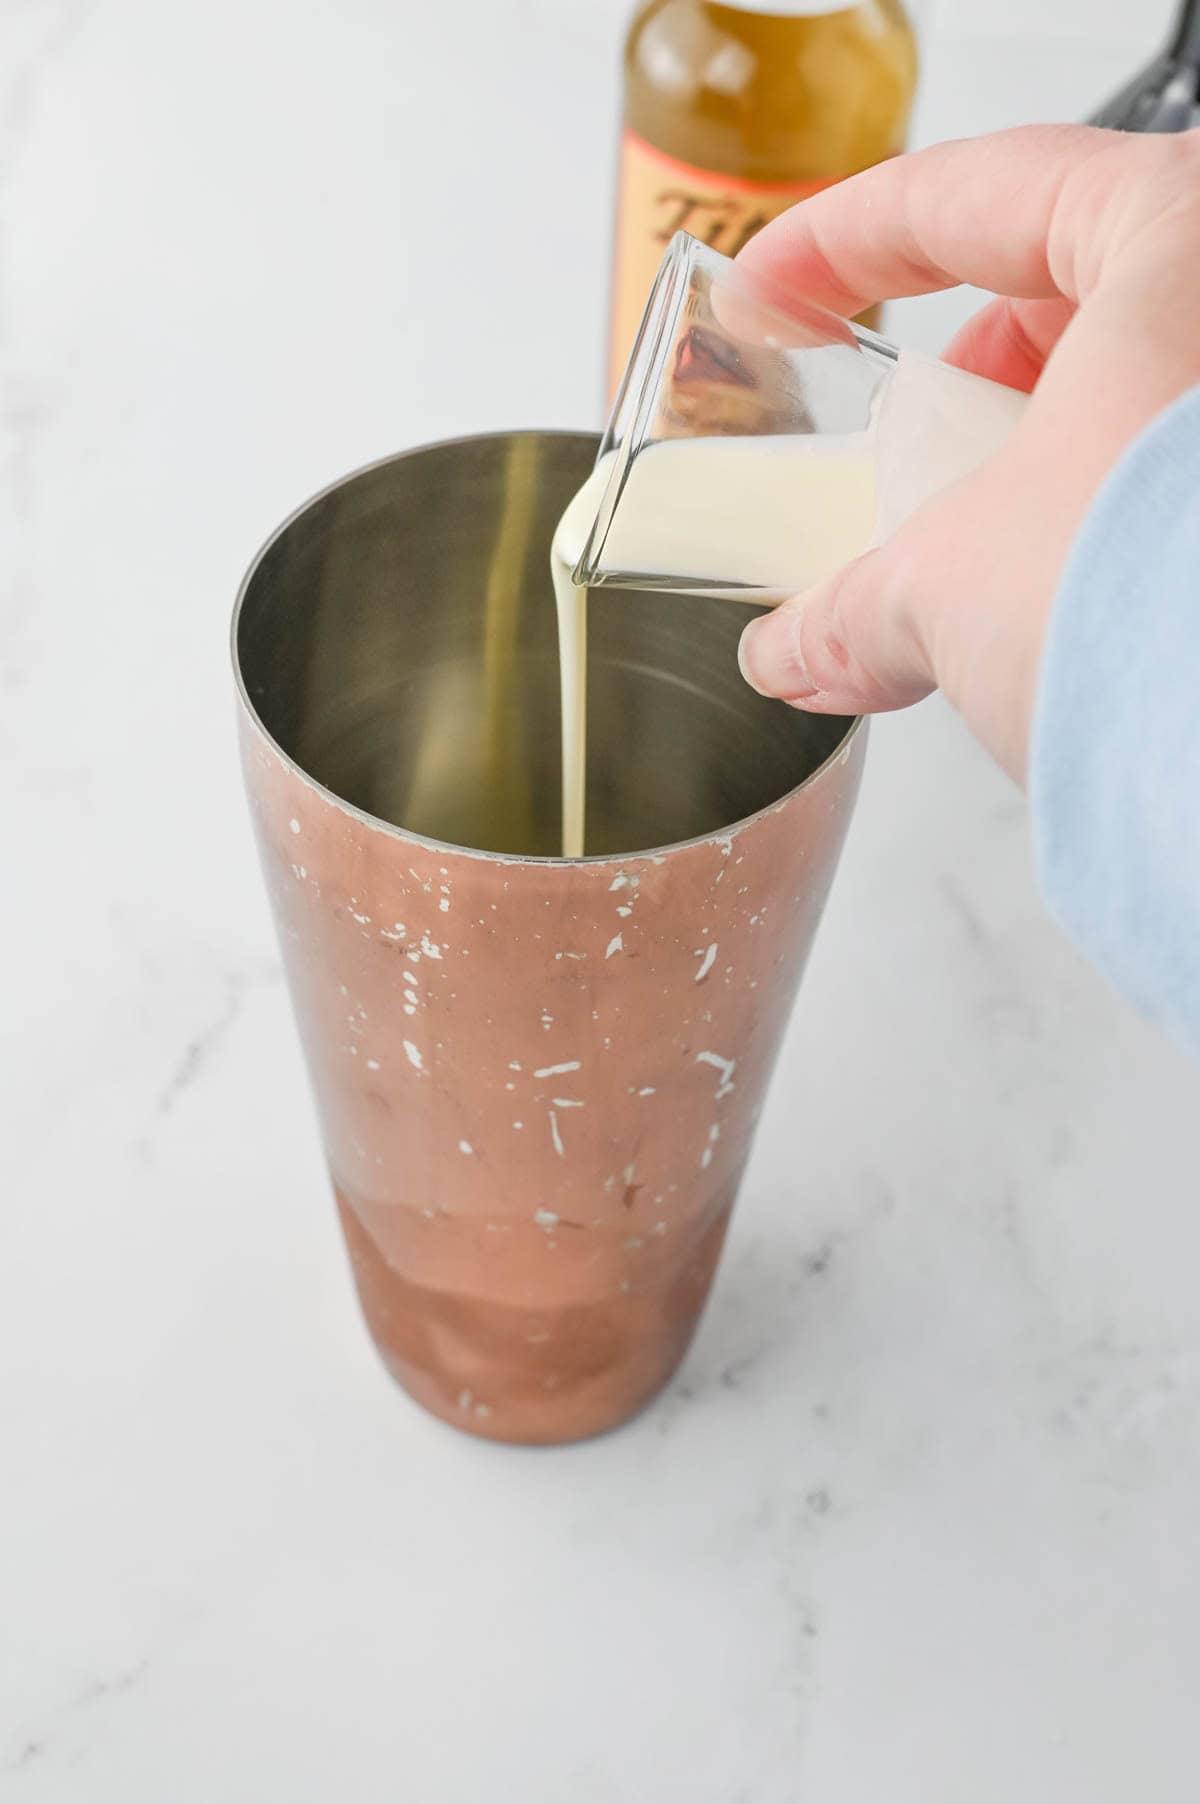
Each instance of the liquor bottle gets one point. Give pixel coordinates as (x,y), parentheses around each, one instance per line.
(1165,95)
(734,110)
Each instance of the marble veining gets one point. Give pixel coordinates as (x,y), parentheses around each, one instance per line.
(74,1712)
(201,1048)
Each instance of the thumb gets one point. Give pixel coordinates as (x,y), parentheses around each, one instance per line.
(851,645)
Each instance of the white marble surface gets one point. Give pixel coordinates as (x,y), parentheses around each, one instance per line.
(917,1522)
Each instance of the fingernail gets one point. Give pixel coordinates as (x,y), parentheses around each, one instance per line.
(769,656)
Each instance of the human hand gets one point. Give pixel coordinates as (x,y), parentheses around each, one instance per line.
(1091,241)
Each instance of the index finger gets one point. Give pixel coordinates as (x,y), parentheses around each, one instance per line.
(985,211)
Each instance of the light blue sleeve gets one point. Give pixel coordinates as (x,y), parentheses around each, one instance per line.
(1114,770)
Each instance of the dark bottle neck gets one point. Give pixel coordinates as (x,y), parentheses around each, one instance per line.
(1185,41)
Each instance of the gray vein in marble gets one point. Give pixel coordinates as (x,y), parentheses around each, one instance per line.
(1006,1001)
(755,1305)
(1011,1227)
(97,1691)
(1112,1392)
(199,1050)
(965,910)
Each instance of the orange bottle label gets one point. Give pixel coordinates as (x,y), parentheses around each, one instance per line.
(658,196)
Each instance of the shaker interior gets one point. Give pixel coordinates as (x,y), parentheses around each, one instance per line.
(398,641)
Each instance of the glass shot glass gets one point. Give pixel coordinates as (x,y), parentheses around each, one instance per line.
(758,442)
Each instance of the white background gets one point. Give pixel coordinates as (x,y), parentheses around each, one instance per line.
(916,1525)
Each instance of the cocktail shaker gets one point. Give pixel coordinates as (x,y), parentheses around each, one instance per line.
(538,1079)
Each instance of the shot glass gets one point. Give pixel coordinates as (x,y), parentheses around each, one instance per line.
(808,438)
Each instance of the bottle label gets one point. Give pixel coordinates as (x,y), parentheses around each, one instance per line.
(658,196)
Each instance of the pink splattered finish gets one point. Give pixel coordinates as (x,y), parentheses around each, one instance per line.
(538,1082)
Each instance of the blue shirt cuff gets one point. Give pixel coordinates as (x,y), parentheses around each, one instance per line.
(1115,749)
